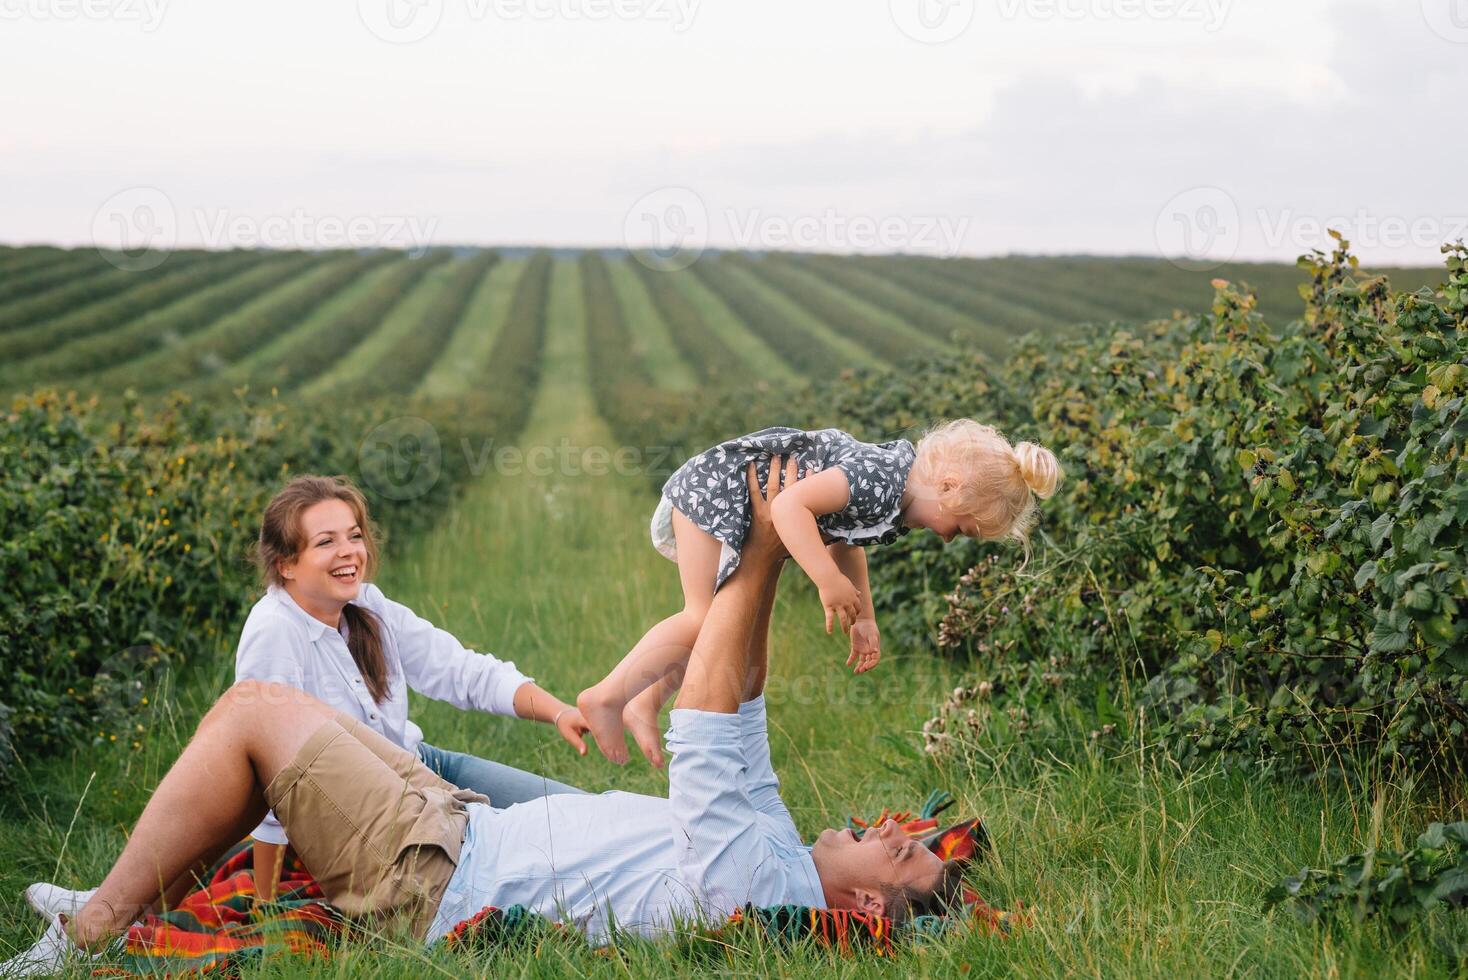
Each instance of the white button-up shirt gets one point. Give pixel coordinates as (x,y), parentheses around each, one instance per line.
(720,839)
(282,642)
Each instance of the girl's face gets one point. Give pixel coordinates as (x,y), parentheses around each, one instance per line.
(327,572)
(925,512)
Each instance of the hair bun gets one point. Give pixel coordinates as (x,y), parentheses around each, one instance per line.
(1039,467)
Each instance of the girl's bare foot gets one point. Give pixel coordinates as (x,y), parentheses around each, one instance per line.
(603,714)
(641,718)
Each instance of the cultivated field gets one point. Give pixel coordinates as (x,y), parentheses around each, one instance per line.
(1132,864)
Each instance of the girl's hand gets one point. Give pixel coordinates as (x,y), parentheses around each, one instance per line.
(866,646)
(572,726)
(841,600)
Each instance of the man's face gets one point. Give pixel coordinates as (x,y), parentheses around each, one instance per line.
(884,855)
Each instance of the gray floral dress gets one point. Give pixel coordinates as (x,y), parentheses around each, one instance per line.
(710,489)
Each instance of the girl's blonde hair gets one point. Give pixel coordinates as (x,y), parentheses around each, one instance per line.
(978,474)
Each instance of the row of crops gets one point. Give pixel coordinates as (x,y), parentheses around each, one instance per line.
(319,324)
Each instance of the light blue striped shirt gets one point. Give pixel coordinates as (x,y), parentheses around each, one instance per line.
(643,864)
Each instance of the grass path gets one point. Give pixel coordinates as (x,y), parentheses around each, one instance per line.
(358,363)
(461,364)
(761,358)
(553,569)
(652,341)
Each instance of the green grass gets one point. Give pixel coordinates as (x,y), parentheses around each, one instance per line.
(462,363)
(652,341)
(1128,865)
(356,366)
(757,355)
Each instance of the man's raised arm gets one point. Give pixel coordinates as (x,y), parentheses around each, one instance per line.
(726,857)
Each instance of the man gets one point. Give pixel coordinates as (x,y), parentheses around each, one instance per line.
(392,843)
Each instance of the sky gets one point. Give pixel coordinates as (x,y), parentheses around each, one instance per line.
(1201,130)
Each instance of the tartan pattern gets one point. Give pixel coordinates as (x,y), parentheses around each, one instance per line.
(218,929)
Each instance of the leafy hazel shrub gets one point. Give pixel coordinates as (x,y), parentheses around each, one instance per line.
(1263,531)
(1259,545)
(127,535)
(1398,885)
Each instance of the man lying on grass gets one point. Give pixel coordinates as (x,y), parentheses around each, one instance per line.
(395,846)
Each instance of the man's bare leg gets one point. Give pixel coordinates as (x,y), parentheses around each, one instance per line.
(212,797)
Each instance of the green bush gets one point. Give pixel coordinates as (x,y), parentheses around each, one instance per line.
(1263,533)
(1260,541)
(1400,885)
(128,533)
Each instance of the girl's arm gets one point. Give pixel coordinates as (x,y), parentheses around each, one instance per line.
(852,561)
(865,638)
(794,512)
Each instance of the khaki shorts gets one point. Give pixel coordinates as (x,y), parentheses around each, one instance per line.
(372,824)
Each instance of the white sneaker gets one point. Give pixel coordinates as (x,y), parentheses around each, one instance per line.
(50,955)
(50,900)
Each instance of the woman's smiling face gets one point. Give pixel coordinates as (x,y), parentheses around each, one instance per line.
(327,572)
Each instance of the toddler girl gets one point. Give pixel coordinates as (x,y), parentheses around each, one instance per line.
(961,478)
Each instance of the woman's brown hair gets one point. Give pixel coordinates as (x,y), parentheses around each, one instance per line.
(282,539)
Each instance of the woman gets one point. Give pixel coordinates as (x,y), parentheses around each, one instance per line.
(322,628)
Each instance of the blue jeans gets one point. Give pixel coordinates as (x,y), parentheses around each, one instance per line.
(504,785)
